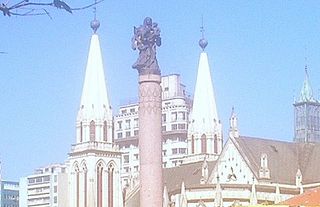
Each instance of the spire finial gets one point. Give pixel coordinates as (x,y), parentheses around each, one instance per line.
(202,42)
(95,24)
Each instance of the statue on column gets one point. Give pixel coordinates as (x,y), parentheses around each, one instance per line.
(146,37)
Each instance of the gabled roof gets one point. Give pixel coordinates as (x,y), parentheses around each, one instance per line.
(284,158)
(190,174)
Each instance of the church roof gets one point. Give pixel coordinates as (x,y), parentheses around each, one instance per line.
(94,99)
(204,110)
(190,174)
(284,158)
(309,198)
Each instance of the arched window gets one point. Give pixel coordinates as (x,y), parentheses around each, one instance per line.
(99,184)
(105,131)
(85,184)
(203,144)
(81,135)
(92,130)
(76,170)
(192,144)
(110,185)
(215,144)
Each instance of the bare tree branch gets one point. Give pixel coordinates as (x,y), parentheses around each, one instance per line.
(60,4)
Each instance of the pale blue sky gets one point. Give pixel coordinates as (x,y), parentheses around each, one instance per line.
(256,50)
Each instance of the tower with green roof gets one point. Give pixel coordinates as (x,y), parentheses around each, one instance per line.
(306,114)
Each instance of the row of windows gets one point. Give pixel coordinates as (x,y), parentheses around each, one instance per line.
(39,179)
(127,169)
(127,124)
(126,158)
(175,116)
(10,197)
(179,151)
(124,111)
(128,134)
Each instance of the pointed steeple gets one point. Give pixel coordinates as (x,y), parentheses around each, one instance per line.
(306,94)
(166,201)
(218,200)
(233,132)
(253,195)
(204,133)
(183,196)
(95,110)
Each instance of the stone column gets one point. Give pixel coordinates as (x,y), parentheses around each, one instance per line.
(146,38)
(150,140)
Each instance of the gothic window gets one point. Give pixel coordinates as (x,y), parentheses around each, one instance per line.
(99,184)
(203,144)
(215,144)
(76,169)
(110,185)
(85,183)
(81,135)
(92,130)
(105,131)
(192,144)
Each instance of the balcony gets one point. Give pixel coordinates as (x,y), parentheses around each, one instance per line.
(93,146)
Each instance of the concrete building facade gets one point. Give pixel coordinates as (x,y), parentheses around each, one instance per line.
(47,187)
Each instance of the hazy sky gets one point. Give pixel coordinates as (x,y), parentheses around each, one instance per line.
(256,50)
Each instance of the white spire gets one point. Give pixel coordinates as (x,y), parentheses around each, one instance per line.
(205,129)
(204,110)
(94,93)
(95,110)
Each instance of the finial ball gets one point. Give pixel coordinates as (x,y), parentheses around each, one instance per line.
(203,43)
(95,24)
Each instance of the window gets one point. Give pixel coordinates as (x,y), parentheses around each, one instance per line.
(81,135)
(92,130)
(136,123)
(164,118)
(135,132)
(120,135)
(164,128)
(55,199)
(203,144)
(132,110)
(136,168)
(119,125)
(136,156)
(31,180)
(192,144)
(181,126)
(126,169)
(174,151)
(46,178)
(105,131)
(173,126)
(55,178)
(164,152)
(165,164)
(182,116)
(126,158)
(128,134)
(55,189)
(128,124)
(166,89)
(182,150)
(215,144)
(174,116)
(124,111)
